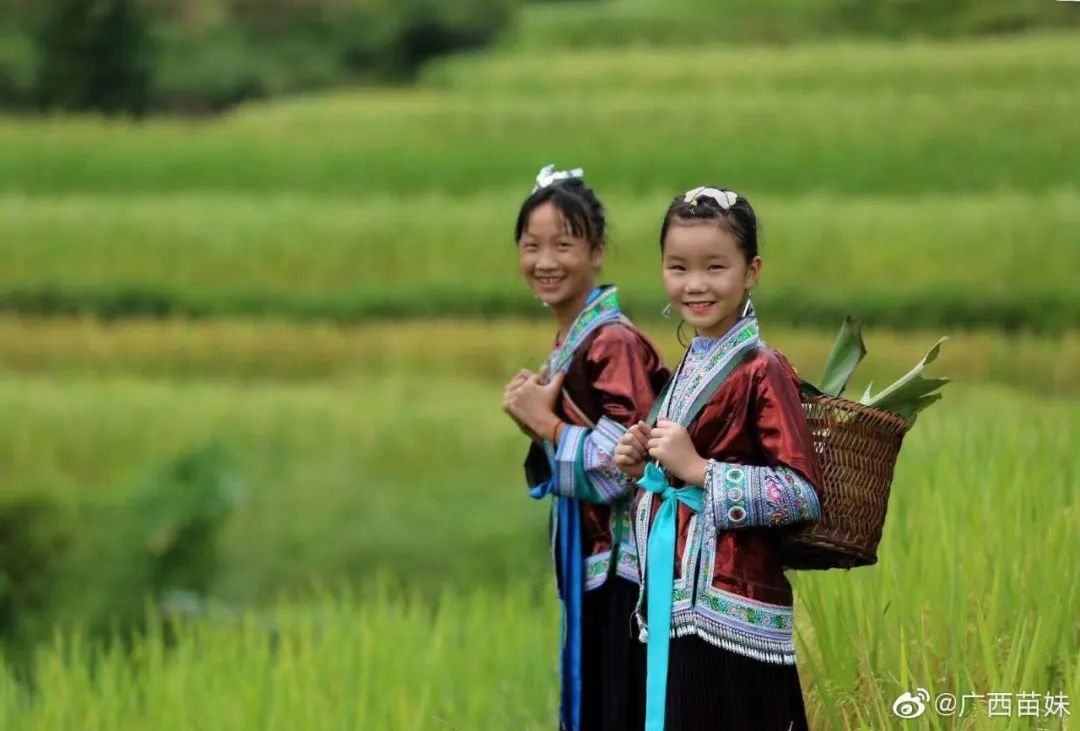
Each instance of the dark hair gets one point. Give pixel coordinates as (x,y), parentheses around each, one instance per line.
(739,220)
(577,203)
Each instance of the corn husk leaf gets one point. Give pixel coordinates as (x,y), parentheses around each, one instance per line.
(846,354)
(908,395)
(912,409)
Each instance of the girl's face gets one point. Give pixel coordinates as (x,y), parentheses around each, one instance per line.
(707,276)
(559,267)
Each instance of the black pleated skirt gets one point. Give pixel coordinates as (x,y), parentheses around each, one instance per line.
(712,689)
(613,661)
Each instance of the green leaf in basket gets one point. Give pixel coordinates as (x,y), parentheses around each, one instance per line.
(847,352)
(910,409)
(909,394)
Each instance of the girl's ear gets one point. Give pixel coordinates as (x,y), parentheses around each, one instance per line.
(596,255)
(752,272)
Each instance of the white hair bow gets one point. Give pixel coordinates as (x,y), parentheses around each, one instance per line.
(548,175)
(724,198)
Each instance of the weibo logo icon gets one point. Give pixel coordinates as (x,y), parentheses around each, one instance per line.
(911,705)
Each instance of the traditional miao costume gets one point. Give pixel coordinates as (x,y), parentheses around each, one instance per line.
(716,608)
(613,373)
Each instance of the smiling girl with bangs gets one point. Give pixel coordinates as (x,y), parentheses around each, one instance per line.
(724,460)
(601,376)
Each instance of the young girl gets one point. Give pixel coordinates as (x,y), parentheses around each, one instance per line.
(601,376)
(728,460)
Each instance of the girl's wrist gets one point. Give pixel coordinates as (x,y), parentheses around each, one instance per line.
(550,429)
(556,430)
(695,475)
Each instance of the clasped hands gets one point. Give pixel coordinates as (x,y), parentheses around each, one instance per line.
(529,399)
(668,443)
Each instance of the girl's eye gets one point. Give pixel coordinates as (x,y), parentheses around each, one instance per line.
(565,245)
(677,268)
(714,267)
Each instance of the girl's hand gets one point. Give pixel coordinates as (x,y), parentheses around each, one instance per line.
(671,445)
(532,404)
(519,378)
(633,450)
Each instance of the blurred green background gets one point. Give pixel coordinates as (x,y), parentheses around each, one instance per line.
(259,297)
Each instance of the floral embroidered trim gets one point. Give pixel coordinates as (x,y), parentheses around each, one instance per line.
(682,593)
(680,398)
(626,561)
(602,310)
(589,454)
(571,441)
(607,434)
(736,637)
(627,565)
(641,535)
(597,567)
(745,496)
(745,626)
(608,481)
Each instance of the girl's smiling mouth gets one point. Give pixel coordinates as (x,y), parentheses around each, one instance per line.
(699,306)
(548,281)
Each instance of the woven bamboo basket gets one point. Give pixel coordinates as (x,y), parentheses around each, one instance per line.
(857,447)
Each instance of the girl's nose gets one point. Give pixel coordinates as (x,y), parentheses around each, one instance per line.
(694,283)
(546,260)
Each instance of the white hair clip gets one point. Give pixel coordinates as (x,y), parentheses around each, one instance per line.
(724,198)
(549,175)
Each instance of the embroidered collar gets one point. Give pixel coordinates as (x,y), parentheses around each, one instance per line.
(715,355)
(601,307)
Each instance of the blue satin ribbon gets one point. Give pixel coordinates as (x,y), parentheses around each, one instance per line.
(660,582)
(567,514)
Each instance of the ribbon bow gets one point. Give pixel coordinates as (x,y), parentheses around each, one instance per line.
(724,198)
(660,581)
(549,175)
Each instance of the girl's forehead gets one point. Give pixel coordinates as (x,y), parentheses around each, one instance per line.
(546,219)
(702,239)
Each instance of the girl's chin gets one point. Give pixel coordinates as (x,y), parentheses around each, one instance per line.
(549,298)
(708,324)
(555,297)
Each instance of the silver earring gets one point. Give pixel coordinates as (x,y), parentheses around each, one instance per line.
(748,308)
(666,312)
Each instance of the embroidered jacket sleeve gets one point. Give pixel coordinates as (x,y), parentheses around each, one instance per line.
(782,491)
(619,364)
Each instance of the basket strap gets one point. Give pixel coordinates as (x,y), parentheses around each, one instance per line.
(714,386)
(654,412)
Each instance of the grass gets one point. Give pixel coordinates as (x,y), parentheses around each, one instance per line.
(870,163)
(944,135)
(952,262)
(345,462)
(975,591)
(632,23)
(386,663)
(267,352)
(361,456)
(893,181)
(915,67)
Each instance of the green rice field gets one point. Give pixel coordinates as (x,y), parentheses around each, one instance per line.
(325,290)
